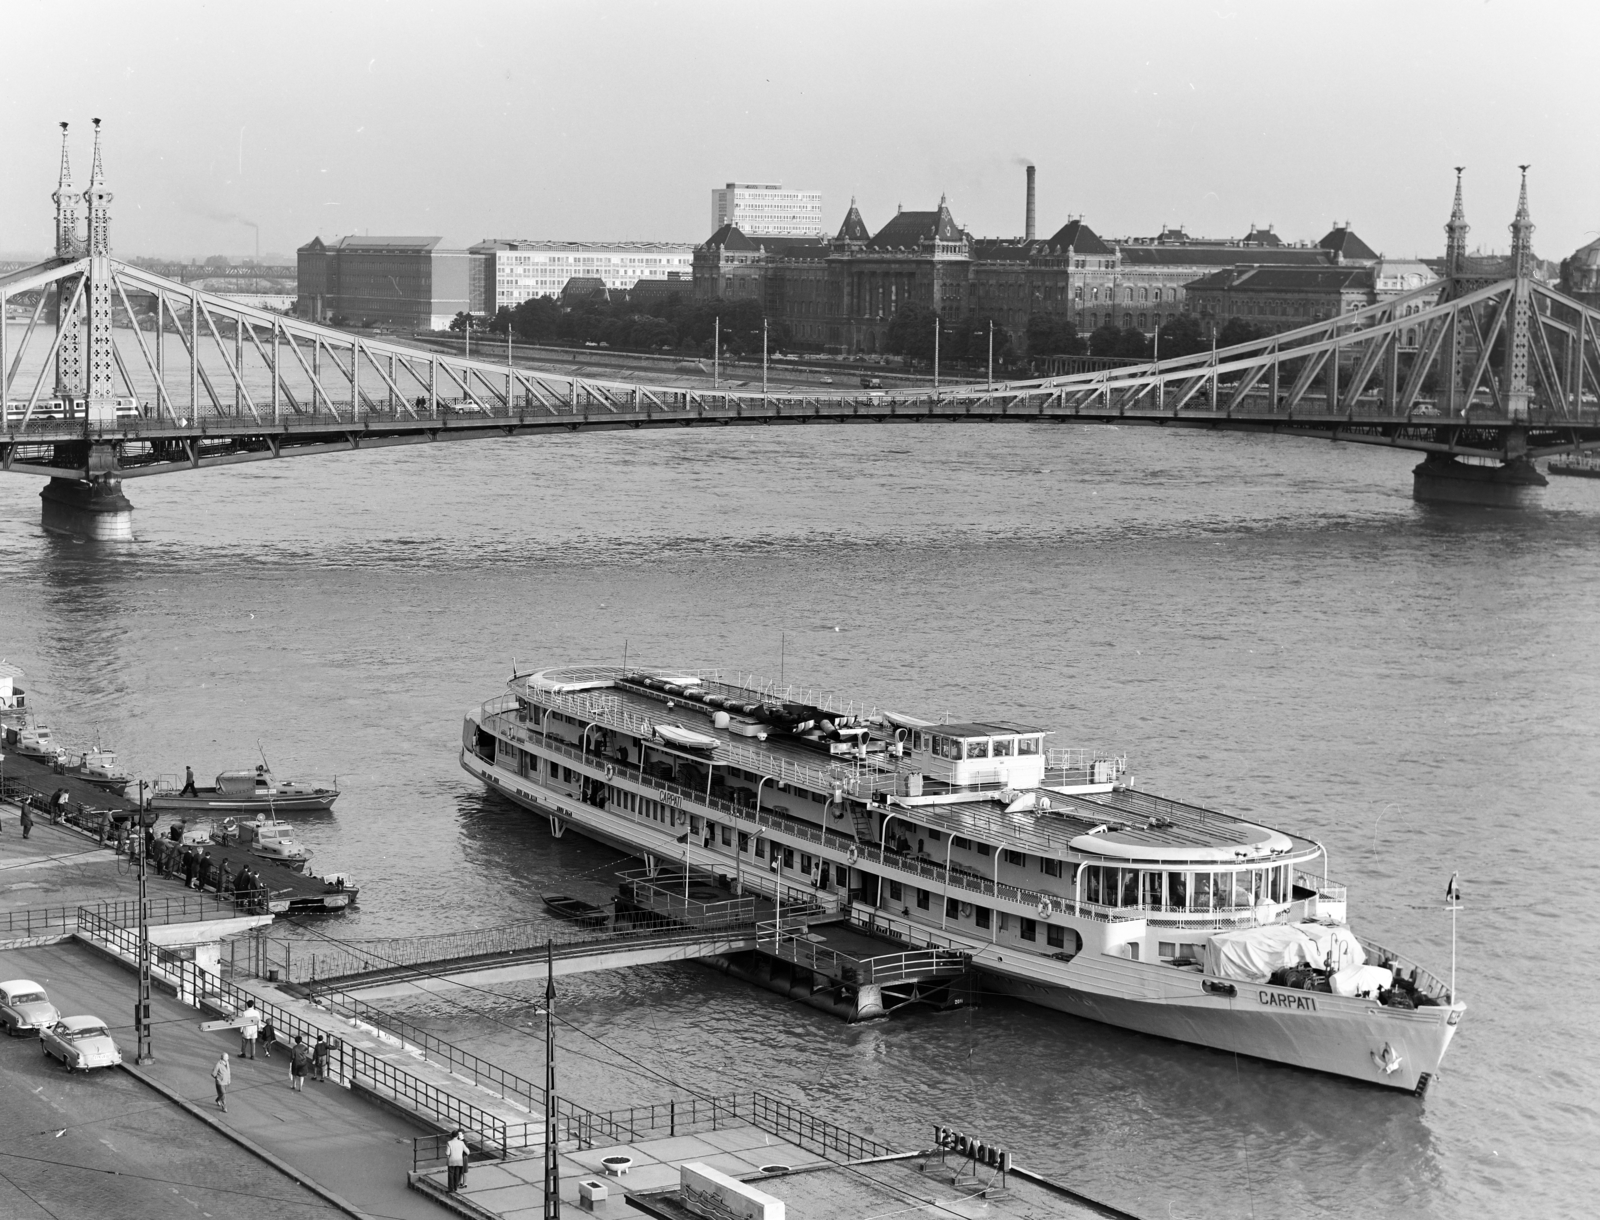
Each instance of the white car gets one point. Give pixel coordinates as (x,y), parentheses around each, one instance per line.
(81,1042)
(24,1008)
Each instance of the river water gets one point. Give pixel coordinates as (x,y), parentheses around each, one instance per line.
(1269,625)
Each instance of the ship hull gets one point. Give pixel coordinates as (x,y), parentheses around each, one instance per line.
(248,806)
(1390,1048)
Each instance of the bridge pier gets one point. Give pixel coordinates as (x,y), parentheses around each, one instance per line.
(96,510)
(1441,479)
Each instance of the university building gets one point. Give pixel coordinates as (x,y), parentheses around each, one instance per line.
(841,293)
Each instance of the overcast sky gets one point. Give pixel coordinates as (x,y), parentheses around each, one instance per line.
(601,120)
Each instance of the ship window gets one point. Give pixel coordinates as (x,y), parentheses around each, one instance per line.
(1003,747)
(983,849)
(978,748)
(694,823)
(1015,857)
(1055,936)
(982,914)
(1028,930)
(1028,745)
(554,769)
(805,862)
(1130,887)
(744,842)
(822,875)
(761,849)
(788,857)
(1178,891)
(1091,883)
(922,900)
(1166,948)
(952,908)
(727,836)
(1051,868)
(933,835)
(946,747)
(1151,889)
(896,891)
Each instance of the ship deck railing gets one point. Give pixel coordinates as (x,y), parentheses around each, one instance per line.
(1427,982)
(1320,886)
(904,966)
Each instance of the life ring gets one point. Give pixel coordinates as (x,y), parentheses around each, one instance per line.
(1044,909)
(852,855)
(966,909)
(610,771)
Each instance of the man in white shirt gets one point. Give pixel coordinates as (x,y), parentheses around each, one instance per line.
(455,1155)
(249,1028)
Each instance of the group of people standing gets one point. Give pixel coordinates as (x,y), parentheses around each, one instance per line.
(256,1029)
(200,870)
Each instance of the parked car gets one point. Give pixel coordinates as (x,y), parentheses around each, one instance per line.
(80,1043)
(872,383)
(25,1008)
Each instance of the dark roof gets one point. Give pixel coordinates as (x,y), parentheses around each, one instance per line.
(729,237)
(1080,237)
(981,728)
(1285,279)
(1006,249)
(388,243)
(909,229)
(655,290)
(585,286)
(1220,256)
(1343,242)
(853,228)
(792,247)
(1262,237)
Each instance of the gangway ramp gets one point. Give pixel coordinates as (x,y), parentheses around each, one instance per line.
(612,951)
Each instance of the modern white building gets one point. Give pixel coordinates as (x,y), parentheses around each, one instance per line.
(765,209)
(515,271)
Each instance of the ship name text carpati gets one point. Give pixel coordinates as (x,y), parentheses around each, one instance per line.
(1273,999)
(977,1150)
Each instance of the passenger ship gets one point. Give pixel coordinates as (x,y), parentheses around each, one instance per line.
(1064,884)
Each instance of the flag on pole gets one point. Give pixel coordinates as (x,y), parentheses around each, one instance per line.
(1452,891)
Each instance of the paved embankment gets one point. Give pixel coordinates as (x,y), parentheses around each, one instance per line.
(326,1135)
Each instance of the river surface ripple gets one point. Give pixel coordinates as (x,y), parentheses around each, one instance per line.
(1268,625)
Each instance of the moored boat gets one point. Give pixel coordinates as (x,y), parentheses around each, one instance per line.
(1062,883)
(245,792)
(99,766)
(266,838)
(577,910)
(32,740)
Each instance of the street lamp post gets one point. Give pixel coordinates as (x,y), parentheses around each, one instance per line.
(716,353)
(936,351)
(763,355)
(991,355)
(141,1008)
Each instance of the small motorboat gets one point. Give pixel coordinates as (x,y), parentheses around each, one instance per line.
(99,767)
(577,910)
(246,792)
(32,740)
(265,837)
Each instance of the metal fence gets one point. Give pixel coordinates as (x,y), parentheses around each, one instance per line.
(39,921)
(347,1064)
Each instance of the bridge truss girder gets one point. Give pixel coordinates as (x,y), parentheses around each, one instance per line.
(219,382)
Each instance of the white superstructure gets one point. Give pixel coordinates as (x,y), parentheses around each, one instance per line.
(1065,886)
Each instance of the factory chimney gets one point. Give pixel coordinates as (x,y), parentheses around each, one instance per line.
(1029,233)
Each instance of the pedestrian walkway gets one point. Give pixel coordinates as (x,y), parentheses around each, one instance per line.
(332,1137)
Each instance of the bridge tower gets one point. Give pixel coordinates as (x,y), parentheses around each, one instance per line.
(96,508)
(65,313)
(1442,477)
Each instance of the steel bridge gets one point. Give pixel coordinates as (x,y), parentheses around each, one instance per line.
(121,373)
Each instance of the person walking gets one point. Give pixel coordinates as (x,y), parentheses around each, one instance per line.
(455,1156)
(249,1030)
(269,1037)
(27,817)
(222,1074)
(188,783)
(319,1058)
(299,1064)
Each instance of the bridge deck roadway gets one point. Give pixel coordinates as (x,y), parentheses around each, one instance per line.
(148,447)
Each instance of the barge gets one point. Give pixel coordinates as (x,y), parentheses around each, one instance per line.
(1062,883)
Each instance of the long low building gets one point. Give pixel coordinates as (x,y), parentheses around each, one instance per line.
(515,270)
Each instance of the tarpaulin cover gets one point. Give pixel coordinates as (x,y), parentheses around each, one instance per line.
(1252,954)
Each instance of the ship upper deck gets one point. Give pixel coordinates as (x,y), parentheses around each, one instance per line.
(1111,823)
